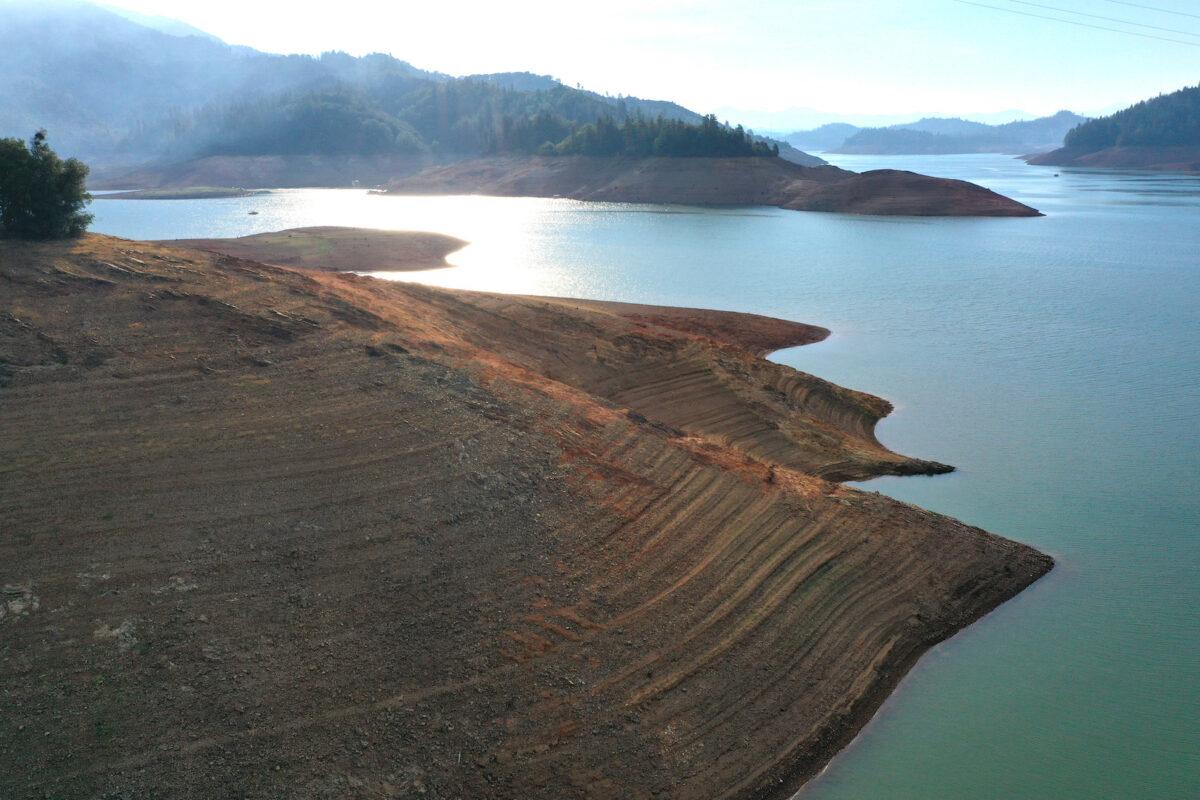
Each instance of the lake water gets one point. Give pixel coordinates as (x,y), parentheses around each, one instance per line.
(1055,361)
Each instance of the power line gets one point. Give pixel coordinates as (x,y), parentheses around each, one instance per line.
(1078,24)
(1109,19)
(1155,8)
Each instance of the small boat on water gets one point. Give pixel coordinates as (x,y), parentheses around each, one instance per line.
(253,213)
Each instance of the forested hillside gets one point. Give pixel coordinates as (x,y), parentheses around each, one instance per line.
(112,90)
(1161,134)
(826,137)
(643,137)
(1164,121)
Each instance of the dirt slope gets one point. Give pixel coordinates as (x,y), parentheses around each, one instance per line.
(1159,159)
(722,181)
(266,533)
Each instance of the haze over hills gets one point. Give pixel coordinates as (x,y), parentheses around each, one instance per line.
(166,25)
(778,123)
(1162,133)
(112,88)
(158,110)
(824,138)
(940,135)
(529,82)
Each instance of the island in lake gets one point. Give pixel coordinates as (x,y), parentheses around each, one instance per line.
(293,525)
(661,160)
(715,181)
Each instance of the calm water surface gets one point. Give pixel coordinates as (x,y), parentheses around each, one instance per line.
(1056,361)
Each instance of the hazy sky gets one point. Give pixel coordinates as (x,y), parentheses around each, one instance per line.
(865,56)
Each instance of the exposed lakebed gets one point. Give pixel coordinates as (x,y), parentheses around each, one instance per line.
(1054,361)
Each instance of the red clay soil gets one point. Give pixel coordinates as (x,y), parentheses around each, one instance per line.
(268,533)
(714,181)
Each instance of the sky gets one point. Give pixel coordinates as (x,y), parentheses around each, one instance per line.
(767,63)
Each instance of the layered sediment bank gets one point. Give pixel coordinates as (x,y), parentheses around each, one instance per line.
(272,532)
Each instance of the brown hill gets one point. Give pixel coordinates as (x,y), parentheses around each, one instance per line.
(270,533)
(714,181)
(1160,159)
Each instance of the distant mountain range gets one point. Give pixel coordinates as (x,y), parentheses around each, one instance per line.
(940,136)
(781,121)
(125,88)
(825,138)
(1159,134)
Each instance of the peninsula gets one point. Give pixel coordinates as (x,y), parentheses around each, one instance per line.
(714,181)
(284,532)
(1161,134)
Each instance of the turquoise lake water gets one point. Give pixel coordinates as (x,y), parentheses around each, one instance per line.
(1055,361)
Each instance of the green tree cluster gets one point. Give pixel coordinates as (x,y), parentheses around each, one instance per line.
(386,114)
(546,134)
(1166,120)
(41,195)
(639,136)
(381,111)
(337,121)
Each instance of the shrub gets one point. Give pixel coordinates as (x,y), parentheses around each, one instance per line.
(41,195)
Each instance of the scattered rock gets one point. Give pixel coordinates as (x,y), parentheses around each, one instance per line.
(175,584)
(89,579)
(123,634)
(18,600)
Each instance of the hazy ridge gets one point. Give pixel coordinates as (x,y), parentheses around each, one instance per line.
(940,136)
(114,91)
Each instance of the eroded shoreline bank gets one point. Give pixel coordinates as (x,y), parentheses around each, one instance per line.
(539,547)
